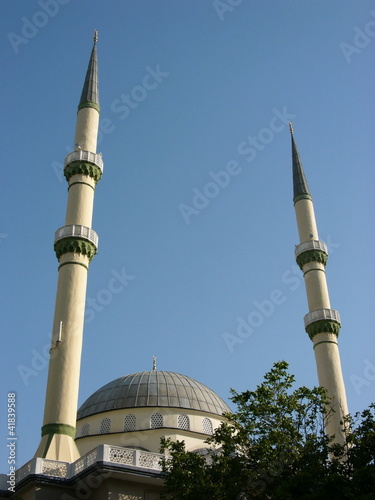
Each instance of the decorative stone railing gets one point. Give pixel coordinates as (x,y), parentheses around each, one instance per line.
(329,314)
(128,456)
(103,453)
(311,251)
(322,320)
(80,155)
(311,245)
(77,231)
(85,461)
(44,467)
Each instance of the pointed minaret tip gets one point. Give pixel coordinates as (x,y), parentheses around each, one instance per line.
(90,91)
(300,187)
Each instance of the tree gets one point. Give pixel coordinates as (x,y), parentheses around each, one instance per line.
(274,446)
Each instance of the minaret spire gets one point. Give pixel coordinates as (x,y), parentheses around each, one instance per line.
(90,91)
(300,187)
(75,245)
(321,323)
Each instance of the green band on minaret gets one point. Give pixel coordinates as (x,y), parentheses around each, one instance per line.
(323,326)
(75,245)
(302,197)
(82,168)
(51,430)
(73,262)
(325,342)
(89,104)
(312,256)
(81,182)
(66,429)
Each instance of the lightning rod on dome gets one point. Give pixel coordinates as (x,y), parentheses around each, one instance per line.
(153,363)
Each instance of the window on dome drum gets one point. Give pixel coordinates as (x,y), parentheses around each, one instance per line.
(156,420)
(129,422)
(85,430)
(105,425)
(183,422)
(207,426)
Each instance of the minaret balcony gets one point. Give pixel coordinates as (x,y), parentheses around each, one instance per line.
(84,163)
(80,155)
(77,239)
(322,320)
(311,251)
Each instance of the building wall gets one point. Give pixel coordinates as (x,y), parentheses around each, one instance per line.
(108,428)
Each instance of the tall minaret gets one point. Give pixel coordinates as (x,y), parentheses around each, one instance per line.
(321,323)
(75,245)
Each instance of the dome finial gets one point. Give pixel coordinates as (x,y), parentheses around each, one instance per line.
(153,363)
(95,36)
(291,127)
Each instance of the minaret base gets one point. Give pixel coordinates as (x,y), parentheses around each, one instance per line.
(61,447)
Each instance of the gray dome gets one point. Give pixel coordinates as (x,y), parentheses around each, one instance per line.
(153,388)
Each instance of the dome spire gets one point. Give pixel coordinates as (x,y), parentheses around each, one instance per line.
(153,363)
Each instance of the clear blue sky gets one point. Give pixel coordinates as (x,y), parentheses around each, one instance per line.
(224,75)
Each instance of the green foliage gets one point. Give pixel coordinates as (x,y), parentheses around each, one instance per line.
(275,446)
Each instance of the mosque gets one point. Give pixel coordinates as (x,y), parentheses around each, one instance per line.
(109,447)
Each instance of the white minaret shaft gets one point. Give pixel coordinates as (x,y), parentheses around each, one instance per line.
(321,323)
(75,245)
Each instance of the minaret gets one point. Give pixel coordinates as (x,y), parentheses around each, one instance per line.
(321,323)
(75,245)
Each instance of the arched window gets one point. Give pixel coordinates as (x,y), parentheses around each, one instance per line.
(85,430)
(183,422)
(207,426)
(156,420)
(129,422)
(105,425)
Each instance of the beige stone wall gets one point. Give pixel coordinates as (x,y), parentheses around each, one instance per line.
(306,220)
(144,436)
(80,201)
(87,129)
(330,376)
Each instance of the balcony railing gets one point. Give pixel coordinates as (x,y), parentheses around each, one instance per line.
(311,245)
(103,453)
(78,231)
(319,314)
(128,456)
(80,155)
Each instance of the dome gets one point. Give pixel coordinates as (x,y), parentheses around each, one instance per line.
(153,388)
